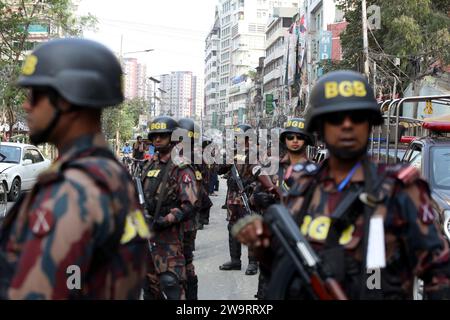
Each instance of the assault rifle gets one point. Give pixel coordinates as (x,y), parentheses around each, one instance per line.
(317,283)
(241,190)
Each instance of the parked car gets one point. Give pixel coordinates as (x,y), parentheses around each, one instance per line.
(20,164)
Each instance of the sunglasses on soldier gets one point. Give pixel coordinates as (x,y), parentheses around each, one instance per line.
(337,118)
(291,136)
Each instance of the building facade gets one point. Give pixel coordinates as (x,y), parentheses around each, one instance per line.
(135,79)
(242,25)
(212,115)
(178,94)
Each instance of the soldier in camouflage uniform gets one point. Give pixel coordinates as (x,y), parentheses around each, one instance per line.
(206,203)
(170,189)
(79,233)
(393,200)
(190,225)
(235,205)
(295,140)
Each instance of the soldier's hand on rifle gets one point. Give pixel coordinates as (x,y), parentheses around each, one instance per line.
(252,232)
(170,218)
(262,200)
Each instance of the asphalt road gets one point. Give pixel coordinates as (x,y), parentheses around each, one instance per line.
(212,251)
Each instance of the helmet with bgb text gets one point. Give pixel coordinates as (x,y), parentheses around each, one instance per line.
(341,91)
(191,127)
(83,72)
(296,125)
(162,124)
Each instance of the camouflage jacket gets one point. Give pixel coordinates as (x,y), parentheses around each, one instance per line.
(246,175)
(182,188)
(413,244)
(81,223)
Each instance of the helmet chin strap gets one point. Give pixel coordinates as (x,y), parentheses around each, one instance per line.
(43,136)
(344,154)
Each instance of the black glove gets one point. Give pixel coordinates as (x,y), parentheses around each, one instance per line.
(161,224)
(263,200)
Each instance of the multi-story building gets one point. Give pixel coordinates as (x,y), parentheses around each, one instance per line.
(319,14)
(212,115)
(242,36)
(135,79)
(198,102)
(275,57)
(178,94)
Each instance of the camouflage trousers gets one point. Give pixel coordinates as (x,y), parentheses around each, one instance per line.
(236,212)
(188,251)
(166,248)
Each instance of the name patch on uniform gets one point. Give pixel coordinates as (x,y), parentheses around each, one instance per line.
(345,89)
(153,173)
(41,222)
(317,229)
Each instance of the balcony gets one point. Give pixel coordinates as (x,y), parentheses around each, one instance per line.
(274,74)
(279,52)
(281,32)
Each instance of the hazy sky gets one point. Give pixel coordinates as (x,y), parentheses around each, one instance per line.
(176,29)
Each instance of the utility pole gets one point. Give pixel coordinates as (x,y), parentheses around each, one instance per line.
(121,62)
(365,39)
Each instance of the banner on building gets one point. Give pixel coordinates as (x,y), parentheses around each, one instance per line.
(269,103)
(214,120)
(325,42)
(292,58)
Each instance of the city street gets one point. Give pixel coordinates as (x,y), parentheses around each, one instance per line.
(212,251)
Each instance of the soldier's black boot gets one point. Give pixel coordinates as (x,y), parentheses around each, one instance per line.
(235,253)
(231,265)
(252,268)
(192,288)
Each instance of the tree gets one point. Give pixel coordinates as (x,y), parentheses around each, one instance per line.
(123,119)
(54,17)
(415,31)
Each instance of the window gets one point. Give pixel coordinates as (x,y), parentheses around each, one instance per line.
(36,156)
(440,167)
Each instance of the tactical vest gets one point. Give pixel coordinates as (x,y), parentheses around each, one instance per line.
(103,253)
(341,264)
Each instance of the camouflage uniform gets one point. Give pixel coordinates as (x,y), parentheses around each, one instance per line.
(282,175)
(167,258)
(414,246)
(189,236)
(75,216)
(235,208)
(206,201)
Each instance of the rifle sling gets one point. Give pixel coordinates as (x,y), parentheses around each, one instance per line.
(162,195)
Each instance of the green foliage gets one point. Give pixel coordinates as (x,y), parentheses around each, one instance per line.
(56,16)
(123,119)
(416,31)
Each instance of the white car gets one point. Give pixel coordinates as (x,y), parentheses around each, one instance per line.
(20,164)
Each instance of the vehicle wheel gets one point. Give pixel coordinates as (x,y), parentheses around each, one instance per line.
(3,200)
(14,192)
